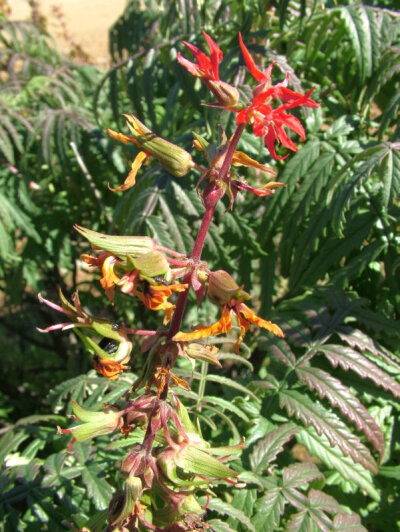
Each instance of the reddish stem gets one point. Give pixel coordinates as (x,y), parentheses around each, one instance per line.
(212,194)
(223,174)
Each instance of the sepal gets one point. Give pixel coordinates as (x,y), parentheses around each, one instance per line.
(120,246)
(94,423)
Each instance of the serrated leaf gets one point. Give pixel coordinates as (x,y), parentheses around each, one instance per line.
(348,358)
(269,510)
(296,168)
(364,38)
(339,395)
(328,424)
(225,508)
(268,449)
(334,458)
(280,350)
(303,503)
(300,522)
(297,475)
(348,523)
(97,487)
(325,502)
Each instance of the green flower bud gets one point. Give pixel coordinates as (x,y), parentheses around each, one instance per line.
(124,504)
(207,353)
(151,264)
(120,246)
(94,423)
(222,288)
(172,158)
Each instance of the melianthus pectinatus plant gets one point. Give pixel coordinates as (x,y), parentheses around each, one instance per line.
(173,465)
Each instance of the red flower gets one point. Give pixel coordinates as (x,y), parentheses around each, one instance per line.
(206,67)
(269,122)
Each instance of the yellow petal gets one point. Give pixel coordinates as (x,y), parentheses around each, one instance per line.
(242,159)
(131,179)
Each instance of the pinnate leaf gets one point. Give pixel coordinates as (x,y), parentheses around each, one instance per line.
(267,450)
(339,395)
(269,510)
(349,358)
(327,423)
(334,458)
(297,475)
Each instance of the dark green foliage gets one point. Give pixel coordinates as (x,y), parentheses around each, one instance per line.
(320,258)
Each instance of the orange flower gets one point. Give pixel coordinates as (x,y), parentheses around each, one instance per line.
(155,297)
(109,368)
(106,262)
(245,317)
(159,379)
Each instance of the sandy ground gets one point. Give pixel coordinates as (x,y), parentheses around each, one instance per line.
(87,22)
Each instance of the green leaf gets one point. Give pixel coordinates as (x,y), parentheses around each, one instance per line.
(298,475)
(319,446)
(339,395)
(227,509)
(364,36)
(328,424)
(97,487)
(269,509)
(268,449)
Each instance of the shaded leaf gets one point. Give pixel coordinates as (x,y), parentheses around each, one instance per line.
(269,509)
(227,509)
(268,449)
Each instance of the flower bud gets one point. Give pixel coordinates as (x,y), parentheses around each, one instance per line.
(120,246)
(123,504)
(138,464)
(189,459)
(207,353)
(94,423)
(172,158)
(151,265)
(227,95)
(222,288)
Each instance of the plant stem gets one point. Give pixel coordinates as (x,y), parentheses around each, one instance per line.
(224,172)
(195,255)
(204,227)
